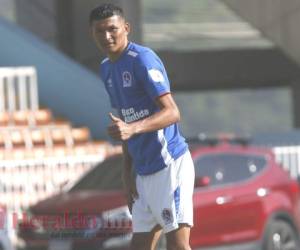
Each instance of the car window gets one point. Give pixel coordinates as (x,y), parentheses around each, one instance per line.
(228,168)
(105,176)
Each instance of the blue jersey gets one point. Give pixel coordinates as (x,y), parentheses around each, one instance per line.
(133,82)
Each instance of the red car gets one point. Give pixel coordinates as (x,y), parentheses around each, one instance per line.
(243,199)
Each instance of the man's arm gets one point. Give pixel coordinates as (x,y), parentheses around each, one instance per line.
(128,178)
(127,161)
(167,115)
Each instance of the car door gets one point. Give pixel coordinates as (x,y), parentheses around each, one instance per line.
(228,208)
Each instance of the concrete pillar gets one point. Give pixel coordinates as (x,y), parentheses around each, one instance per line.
(133,13)
(8,9)
(65,26)
(39,18)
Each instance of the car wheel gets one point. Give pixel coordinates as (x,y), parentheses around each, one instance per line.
(280,235)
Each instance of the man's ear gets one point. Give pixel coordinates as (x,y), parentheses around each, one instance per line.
(127,28)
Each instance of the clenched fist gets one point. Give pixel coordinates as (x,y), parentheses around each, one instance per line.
(119,130)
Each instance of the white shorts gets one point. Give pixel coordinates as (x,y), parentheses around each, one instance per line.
(165,197)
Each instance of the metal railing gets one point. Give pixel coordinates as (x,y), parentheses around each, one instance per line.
(289,158)
(18,89)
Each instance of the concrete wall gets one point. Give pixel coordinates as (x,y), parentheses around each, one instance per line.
(279,21)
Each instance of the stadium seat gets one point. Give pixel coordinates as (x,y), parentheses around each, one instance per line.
(4,118)
(20,117)
(31,117)
(61,122)
(18,138)
(41,116)
(59,135)
(80,135)
(39,137)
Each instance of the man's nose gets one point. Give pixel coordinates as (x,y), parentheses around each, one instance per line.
(107,35)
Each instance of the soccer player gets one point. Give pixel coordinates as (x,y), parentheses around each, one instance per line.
(160,196)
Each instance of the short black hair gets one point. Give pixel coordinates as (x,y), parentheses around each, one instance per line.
(104,11)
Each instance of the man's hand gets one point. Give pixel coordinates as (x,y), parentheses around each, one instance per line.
(118,129)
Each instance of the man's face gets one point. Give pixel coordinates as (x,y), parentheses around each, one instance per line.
(110,35)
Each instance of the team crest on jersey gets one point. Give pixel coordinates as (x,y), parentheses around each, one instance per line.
(167,216)
(156,75)
(127,79)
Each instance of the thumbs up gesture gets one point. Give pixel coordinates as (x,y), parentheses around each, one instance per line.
(118,129)
(114,118)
